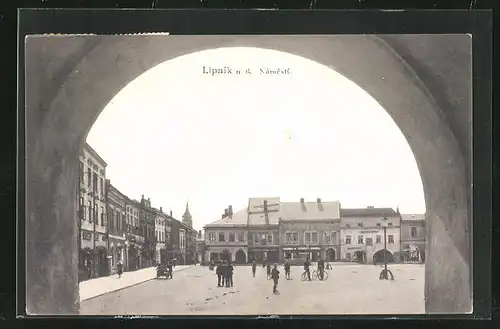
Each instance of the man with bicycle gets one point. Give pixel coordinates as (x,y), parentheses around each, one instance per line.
(307,264)
(321,269)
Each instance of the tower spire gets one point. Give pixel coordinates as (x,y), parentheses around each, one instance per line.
(187,218)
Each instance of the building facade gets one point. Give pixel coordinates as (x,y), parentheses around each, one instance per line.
(189,245)
(413,237)
(173,247)
(116,210)
(310,229)
(160,235)
(91,200)
(147,216)
(263,229)
(363,232)
(135,239)
(226,239)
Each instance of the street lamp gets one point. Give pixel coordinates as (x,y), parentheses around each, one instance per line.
(384,275)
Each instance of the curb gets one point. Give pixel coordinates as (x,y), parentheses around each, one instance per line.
(132,285)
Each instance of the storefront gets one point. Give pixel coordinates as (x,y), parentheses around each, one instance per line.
(313,253)
(265,254)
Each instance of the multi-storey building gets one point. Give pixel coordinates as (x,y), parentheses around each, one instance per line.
(310,229)
(116,211)
(135,239)
(91,200)
(173,247)
(263,230)
(362,234)
(161,222)
(413,237)
(226,239)
(147,216)
(201,248)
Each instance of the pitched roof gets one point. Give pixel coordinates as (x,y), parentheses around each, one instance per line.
(310,210)
(239,218)
(413,217)
(256,215)
(368,212)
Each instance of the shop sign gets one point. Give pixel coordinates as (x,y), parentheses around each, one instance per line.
(370,231)
(87,236)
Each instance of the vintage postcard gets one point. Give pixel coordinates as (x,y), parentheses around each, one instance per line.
(248,174)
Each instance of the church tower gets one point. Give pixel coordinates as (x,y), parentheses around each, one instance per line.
(187,219)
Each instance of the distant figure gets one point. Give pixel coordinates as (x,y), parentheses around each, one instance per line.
(328,266)
(307,264)
(119,269)
(229,275)
(268,271)
(321,269)
(275,274)
(287,270)
(254,268)
(170,270)
(263,264)
(224,273)
(218,271)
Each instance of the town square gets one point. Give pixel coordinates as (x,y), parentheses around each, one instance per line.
(350,289)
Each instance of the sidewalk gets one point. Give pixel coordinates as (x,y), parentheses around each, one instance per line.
(100,286)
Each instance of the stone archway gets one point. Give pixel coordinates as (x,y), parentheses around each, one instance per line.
(240,257)
(71,79)
(330,255)
(378,257)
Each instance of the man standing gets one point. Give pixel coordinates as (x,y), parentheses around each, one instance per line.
(287,270)
(229,275)
(119,269)
(275,274)
(254,268)
(218,271)
(170,270)
(307,264)
(268,271)
(321,269)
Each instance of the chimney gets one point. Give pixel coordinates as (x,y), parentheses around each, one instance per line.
(302,204)
(161,209)
(171,213)
(230,210)
(225,212)
(320,205)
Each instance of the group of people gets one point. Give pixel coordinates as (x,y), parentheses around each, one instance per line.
(224,273)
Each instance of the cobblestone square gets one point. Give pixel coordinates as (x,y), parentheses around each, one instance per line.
(350,289)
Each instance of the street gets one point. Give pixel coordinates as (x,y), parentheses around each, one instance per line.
(350,289)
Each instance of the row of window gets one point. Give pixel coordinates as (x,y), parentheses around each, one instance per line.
(94,181)
(160,221)
(92,213)
(369,241)
(221,237)
(362,225)
(311,237)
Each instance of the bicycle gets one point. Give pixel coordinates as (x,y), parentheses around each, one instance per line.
(315,275)
(303,277)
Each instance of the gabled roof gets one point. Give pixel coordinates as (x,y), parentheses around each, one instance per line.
(239,218)
(412,217)
(368,212)
(310,210)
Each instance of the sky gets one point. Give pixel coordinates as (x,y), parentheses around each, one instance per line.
(176,134)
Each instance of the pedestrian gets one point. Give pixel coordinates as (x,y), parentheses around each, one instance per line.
(307,264)
(229,275)
(218,271)
(254,268)
(170,270)
(287,270)
(119,269)
(275,274)
(268,271)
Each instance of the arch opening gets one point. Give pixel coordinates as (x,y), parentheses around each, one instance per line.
(438,164)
